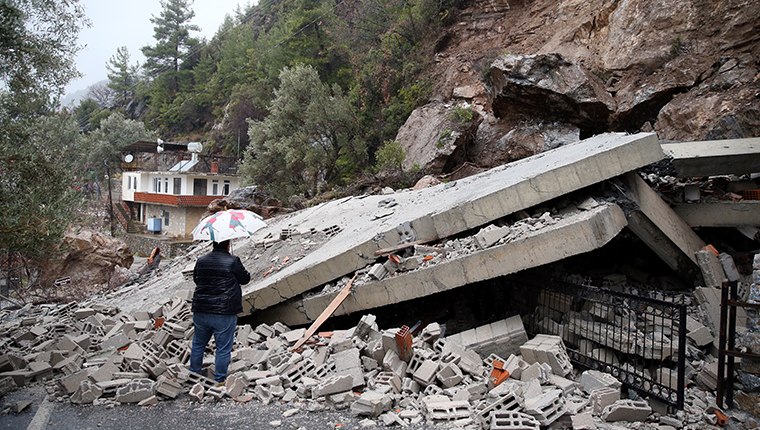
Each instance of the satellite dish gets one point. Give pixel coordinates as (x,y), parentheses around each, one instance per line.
(195,147)
(129,158)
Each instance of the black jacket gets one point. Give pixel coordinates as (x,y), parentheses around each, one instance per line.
(218,276)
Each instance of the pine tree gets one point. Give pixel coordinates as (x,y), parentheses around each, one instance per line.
(172,33)
(122,77)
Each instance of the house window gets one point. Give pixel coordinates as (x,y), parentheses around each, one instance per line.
(129,182)
(226,188)
(177,185)
(166,217)
(156,185)
(134,182)
(214,187)
(199,187)
(166,185)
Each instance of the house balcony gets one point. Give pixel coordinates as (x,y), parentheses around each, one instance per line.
(174,200)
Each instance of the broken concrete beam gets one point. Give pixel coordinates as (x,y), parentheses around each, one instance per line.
(470,202)
(711,267)
(719,213)
(576,234)
(714,157)
(664,232)
(135,391)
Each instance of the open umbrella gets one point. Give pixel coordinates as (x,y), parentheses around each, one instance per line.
(229,224)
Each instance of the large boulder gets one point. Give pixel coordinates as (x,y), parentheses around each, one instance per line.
(435,136)
(500,142)
(89,259)
(552,88)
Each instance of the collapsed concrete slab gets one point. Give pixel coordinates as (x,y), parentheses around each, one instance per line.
(576,234)
(720,213)
(714,157)
(657,225)
(361,226)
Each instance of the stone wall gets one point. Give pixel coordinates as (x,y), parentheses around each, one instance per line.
(142,245)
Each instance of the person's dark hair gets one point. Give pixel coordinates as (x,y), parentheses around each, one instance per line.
(221,245)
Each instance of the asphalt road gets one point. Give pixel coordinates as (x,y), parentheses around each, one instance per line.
(179,414)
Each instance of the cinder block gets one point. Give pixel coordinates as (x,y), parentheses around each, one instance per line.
(390,379)
(505,403)
(547,349)
(602,397)
(296,373)
(372,403)
(86,393)
(332,385)
(426,373)
(168,387)
(393,363)
(135,391)
(627,410)
(512,420)
(448,411)
(449,375)
(547,408)
(593,379)
(70,383)
(583,422)
(197,392)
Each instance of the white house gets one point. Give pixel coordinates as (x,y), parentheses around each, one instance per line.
(170,201)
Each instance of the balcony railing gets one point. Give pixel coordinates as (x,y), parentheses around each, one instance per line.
(174,200)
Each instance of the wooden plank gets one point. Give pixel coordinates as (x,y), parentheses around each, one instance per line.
(327,313)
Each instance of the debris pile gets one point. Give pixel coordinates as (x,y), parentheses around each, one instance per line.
(490,377)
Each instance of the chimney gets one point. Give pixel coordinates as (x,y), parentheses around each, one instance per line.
(214,167)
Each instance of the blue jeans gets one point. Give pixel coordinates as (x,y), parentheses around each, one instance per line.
(223,329)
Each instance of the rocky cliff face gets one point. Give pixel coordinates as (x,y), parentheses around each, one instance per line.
(543,72)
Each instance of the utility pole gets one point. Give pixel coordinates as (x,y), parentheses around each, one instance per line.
(110,202)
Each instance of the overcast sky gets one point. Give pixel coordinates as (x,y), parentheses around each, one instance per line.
(118,23)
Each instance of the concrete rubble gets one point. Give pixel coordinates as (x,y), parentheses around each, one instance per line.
(403,246)
(490,377)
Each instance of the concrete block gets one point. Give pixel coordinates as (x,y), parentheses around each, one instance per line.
(135,391)
(515,366)
(197,392)
(409,386)
(547,349)
(349,362)
(490,235)
(340,401)
(583,422)
(485,340)
(593,379)
(547,408)
(447,411)
(215,392)
(372,403)
(627,410)
(332,385)
(602,397)
(70,383)
(449,375)
(393,363)
(168,387)
(297,372)
(701,336)
(86,393)
(390,379)
(512,420)
(150,401)
(235,385)
(509,402)
(426,373)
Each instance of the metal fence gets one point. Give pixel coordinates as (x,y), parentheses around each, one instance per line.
(639,339)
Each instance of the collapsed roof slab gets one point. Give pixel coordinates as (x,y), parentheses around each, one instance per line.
(575,234)
(720,213)
(657,225)
(361,226)
(715,157)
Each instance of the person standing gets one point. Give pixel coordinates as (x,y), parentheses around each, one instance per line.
(218,299)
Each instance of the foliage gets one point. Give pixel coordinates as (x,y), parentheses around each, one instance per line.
(462,115)
(104,145)
(390,157)
(122,77)
(310,137)
(37,49)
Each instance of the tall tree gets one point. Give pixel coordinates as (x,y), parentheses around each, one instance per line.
(310,137)
(122,76)
(173,41)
